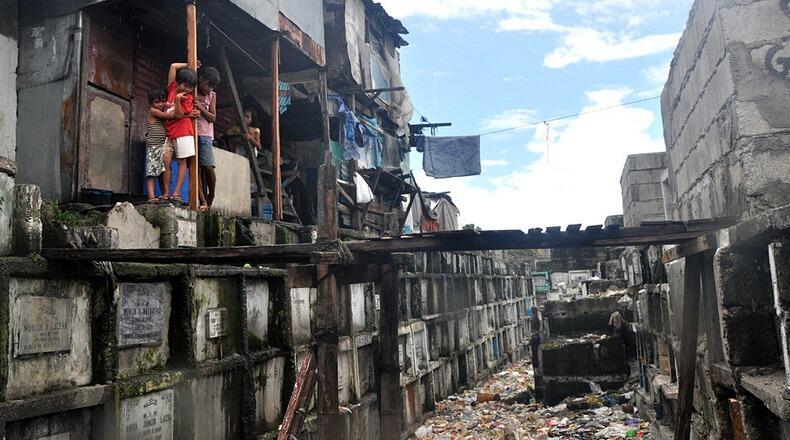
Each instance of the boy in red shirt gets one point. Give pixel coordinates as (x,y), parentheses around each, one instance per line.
(181,82)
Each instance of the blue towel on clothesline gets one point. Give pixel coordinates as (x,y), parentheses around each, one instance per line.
(446,157)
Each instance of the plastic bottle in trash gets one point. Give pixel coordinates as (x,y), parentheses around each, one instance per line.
(268,209)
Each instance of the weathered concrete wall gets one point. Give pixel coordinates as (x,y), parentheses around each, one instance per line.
(581,315)
(265,11)
(46,140)
(9,28)
(641,188)
(723,106)
(134,232)
(233,184)
(6,213)
(50,362)
(308,15)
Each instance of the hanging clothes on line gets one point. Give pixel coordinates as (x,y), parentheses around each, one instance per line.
(350,122)
(284,96)
(446,157)
(373,141)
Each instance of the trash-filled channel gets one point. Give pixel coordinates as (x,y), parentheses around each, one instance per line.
(503,408)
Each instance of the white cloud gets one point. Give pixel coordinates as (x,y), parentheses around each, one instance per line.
(494,163)
(509,119)
(586,39)
(447,9)
(601,46)
(577,181)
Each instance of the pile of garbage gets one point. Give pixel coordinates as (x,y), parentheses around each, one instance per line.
(503,408)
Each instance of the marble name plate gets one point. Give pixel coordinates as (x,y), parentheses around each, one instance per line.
(148,417)
(217,323)
(140,314)
(44,325)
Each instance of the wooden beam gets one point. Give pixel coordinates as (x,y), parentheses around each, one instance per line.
(276,159)
(251,154)
(192,59)
(707,242)
(367,249)
(688,344)
(389,365)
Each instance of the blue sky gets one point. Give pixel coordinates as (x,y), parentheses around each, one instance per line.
(487,65)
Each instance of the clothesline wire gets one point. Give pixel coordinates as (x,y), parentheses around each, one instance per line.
(559,118)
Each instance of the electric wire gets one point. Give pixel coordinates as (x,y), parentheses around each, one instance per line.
(559,118)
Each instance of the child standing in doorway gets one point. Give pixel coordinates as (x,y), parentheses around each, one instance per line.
(158,153)
(253,134)
(181,82)
(206,104)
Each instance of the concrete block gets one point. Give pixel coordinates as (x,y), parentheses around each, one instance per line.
(750,338)
(268,382)
(233,184)
(52,368)
(209,407)
(27,227)
(134,231)
(257,296)
(6,213)
(300,315)
(743,278)
(187,227)
(263,232)
(211,294)
(752,22)
(163,218)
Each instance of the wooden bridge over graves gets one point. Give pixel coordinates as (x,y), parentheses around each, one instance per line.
(329,261)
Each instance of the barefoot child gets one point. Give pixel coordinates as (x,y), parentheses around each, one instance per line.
(181,82)
(158,155)
(208,80)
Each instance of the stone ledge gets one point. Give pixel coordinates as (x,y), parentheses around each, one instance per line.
(60,401)
(768,387)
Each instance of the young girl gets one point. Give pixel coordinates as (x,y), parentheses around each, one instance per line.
(158,154)
(208,80)
(253,134)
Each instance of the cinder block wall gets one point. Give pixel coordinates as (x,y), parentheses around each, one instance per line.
(641,188)
(724,106)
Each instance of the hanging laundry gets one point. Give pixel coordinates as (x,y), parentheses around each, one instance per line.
(364,193)
(417,141)
(351,151)
(451,156)
(373,142)
(284,94)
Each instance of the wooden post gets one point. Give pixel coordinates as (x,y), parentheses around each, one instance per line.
(192,59)
(277,190)
(327,319)
(389,365)
(256,172)
(688,344)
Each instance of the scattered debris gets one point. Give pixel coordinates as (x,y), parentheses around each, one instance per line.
(503,408)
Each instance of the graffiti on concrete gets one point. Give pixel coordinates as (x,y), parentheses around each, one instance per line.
(778,59)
